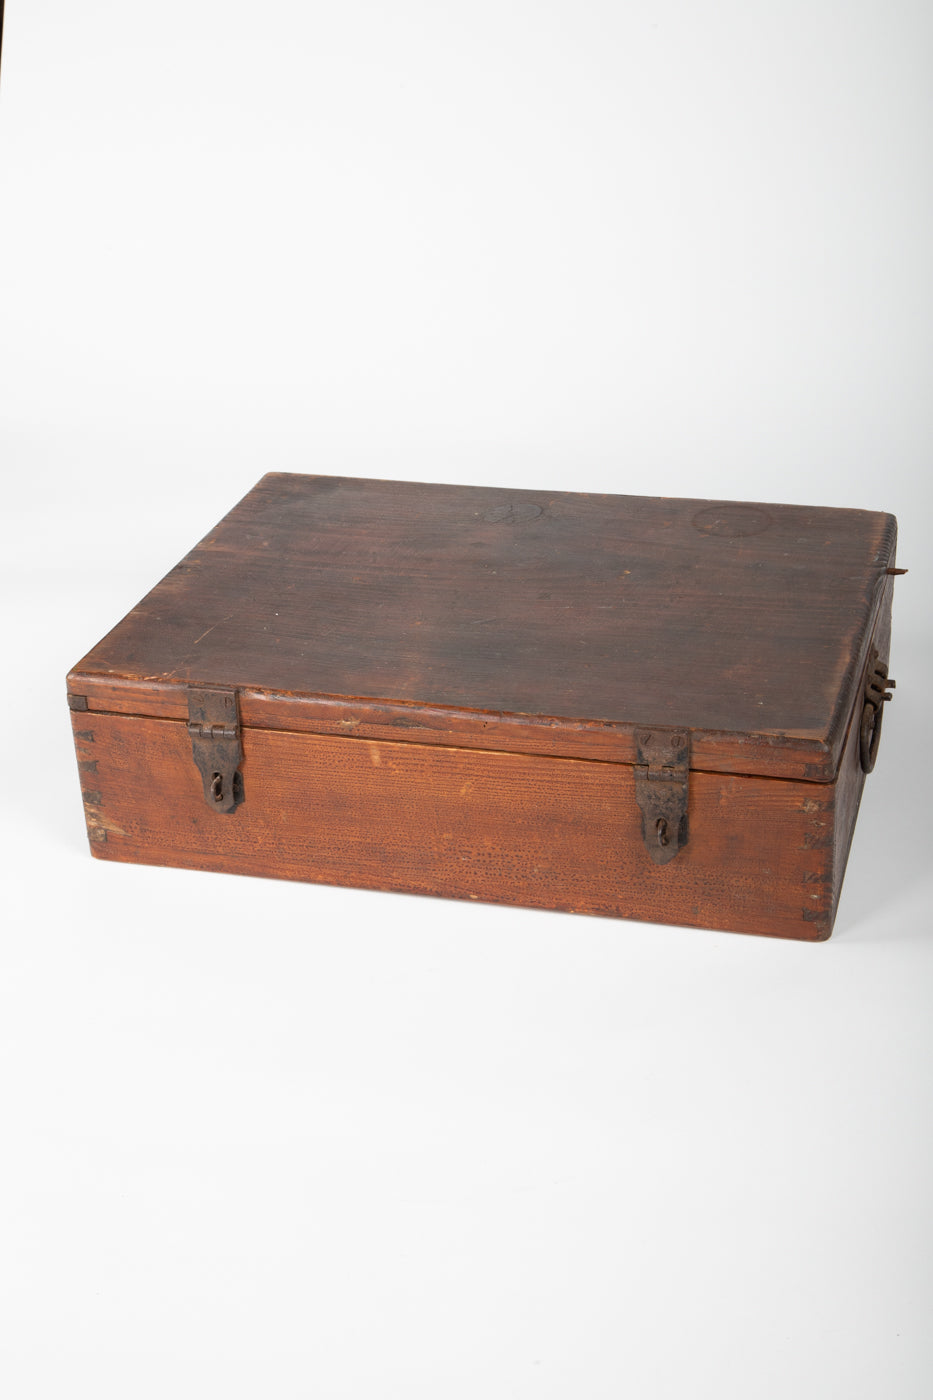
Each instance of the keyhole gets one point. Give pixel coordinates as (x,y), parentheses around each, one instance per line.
(663,838)
(217,787)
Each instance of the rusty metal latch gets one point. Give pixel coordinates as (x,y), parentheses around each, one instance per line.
(661,782)
(214,727)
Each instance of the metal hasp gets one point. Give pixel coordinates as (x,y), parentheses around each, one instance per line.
(214,726)
(878,687)
(661,781)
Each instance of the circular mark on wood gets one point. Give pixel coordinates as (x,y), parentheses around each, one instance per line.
(731,521)
(511,512)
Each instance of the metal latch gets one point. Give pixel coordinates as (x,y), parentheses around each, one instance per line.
(214,726)
(661,780)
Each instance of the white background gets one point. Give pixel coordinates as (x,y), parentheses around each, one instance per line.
(271,1139)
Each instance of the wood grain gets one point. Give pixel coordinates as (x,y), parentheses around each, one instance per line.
(439,688)
(559,620)
(531,830)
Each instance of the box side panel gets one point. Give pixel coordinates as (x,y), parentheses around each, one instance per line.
(847,799)
(851,779)
(510,828)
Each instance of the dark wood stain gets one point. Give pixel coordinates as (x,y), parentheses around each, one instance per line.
(439,689)
(552,611)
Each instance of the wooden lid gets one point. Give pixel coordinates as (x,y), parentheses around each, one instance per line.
(542,622)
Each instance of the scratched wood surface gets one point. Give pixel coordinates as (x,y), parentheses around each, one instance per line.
(536,622)
(521,829)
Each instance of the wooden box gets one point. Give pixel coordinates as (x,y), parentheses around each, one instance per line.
(622,705)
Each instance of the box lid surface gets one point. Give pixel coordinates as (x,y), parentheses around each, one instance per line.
(551,622)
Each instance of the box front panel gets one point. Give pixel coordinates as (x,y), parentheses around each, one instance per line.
(469,824)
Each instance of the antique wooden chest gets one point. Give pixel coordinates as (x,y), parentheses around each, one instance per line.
(622,705)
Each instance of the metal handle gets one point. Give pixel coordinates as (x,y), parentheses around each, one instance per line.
(877,690)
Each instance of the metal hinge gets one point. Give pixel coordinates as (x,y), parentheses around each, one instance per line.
(661,780)
(214,727)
